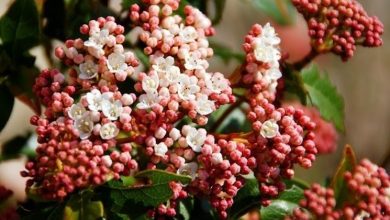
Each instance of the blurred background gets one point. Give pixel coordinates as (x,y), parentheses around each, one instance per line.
(363,82)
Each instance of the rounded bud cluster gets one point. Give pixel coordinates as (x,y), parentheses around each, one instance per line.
(101,58)
(340,26)
(368,189)
(326,134)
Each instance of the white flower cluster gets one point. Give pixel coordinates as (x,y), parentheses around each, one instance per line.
(88,113)
(180,79)
(166,82)
(102,56)
(266,50)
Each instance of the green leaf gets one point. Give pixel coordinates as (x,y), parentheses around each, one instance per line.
(324,95)
(247,198)
(338,183)
(142,57)
(19,27)
(283,205)
(282,11)
(83,208)
(225,53)
(55,15)
(7,103)
(294,85)
(155,192)
(13,148)
(219,6)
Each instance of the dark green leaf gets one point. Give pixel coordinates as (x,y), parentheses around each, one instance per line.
(7,104)
(283,205)
(13,148)
(19,27)
(293,85)
(219,6)
(324,96)
(54,12)
(31,210)
(338,183)
(247,198)
(282,11)
(152,193)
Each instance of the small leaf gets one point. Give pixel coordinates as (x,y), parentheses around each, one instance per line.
(19,27)
(248,197)
(324,96)
(13,148)
(338,183)
(7,103)
(150,194)
(282,11)
(219,6)
(283,205)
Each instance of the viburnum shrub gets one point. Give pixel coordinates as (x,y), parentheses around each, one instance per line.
(135,130)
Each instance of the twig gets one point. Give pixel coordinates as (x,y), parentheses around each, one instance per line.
(306,60)
(225,114)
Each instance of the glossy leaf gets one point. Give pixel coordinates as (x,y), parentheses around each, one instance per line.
(324,95)
(283,205)
(151,193)
(7,104)
(19,27)
(282,11)
(247,198)
(338,183)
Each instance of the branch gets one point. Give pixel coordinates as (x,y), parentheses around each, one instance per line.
(306,60)
(225,114)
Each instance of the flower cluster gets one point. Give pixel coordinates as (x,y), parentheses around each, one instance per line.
(178,49)
(369,186)
(340,26)
(326,134)
(93,131)
(283,136)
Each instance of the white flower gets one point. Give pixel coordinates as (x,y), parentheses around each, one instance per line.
(148,100)
(204,106)
(150,83)
(188,34)
(94,100)
(188,169)
(268,35)
(112,110)
(216,158)
(116,62)
(160,149)
(84,125)
(187,87)
(272,74)
(266,53)
(169,77)
(269,129)
(216,82)
(98,38)
(106,160)
(108,131)
(193,62)
(88,70)
(96,42)
(76,111)
(195,138)
(163,64)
